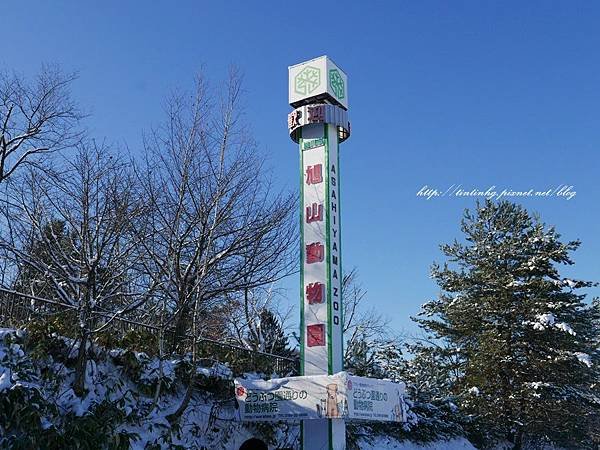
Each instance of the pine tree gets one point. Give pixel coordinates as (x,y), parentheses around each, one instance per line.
(429,377)
(432,415)
(268,335)
(523,341)
(388,360)
(358,358)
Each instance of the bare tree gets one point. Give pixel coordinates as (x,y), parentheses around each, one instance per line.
(217,227)
(36,118)
(360,322)
(69,233)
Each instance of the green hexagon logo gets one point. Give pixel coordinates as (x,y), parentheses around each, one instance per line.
(337,83)
(307,80)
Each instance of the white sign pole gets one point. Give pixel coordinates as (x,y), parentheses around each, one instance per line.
(323,396)
(318,91)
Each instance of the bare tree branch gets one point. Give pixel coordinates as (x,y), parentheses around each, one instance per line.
(359,321)
(35,118)
(72,242)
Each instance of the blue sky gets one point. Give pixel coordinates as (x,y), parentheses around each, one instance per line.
(480,94)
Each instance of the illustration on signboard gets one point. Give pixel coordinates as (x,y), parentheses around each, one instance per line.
(334,404)
(398,412)
(332,401)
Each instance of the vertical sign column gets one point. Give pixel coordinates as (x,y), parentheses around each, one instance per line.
(318,92)
(321,253)
(321,308)
(315,252)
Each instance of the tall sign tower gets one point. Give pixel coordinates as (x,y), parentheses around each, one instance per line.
(318,92)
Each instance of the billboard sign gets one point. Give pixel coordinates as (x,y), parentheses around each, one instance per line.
(338,396)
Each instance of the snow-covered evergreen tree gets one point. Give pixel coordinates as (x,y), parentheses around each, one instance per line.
(429,387)
(267,335)
(358,356)
(524,342)
(432,415)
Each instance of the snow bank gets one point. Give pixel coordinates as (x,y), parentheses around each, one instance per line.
(5,379)
(383,443)
(128,379)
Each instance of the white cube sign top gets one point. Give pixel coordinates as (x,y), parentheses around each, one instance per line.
(317,79)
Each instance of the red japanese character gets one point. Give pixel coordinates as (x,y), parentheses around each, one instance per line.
(316,114)
(314,213)
(314,293)
(315,252)
(314,174)
(315,335)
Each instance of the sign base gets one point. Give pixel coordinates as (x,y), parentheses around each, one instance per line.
(326,434)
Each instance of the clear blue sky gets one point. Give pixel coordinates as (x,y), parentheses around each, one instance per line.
(441,93)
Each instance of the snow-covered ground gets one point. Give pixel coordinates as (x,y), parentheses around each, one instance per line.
(129,379)
(208,423)
(383,443)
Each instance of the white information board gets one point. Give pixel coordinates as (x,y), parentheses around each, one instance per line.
(338,396)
